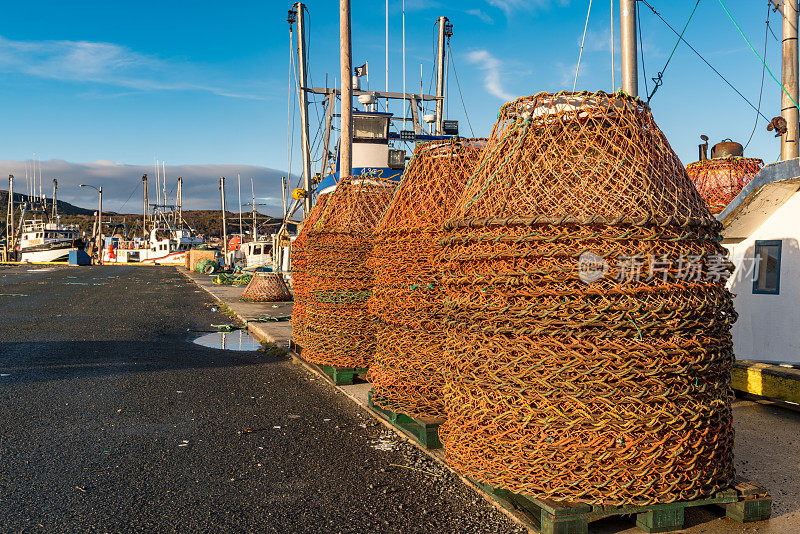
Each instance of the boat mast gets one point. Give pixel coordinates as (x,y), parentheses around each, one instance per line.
(790,148)
(55,202)
(440,62)
(253,205)
(630,68)
(10,216)
(346,71)
(146,202)
(302,64)
(180,201)
(239,190)
(224,226)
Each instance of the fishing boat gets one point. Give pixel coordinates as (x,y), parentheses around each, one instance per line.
(46,241)
(381,140)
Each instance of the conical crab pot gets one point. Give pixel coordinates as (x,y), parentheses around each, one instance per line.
(300,273)
(589,347)
(340,330)
(406,300)
(719,180)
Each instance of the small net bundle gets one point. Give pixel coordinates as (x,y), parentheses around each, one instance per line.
(589,346)
(719,180)
(266,287)
(300,274)
(340,329)
(407,371)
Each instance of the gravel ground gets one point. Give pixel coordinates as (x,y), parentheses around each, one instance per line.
(110,421)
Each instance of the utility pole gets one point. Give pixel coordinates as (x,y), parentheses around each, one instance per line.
(145,207)
(346,64)
(302,63)
(224,226)
(630,69)
(100,222)
(790,148)
(441,59)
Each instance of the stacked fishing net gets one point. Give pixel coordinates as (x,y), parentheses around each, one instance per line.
(570,377)
(266,287)
(340,329)
(300,274)
(407,371)
(719,180)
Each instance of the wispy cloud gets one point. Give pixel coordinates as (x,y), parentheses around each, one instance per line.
(510,6)
(481,15)
(491,67)
(107,63)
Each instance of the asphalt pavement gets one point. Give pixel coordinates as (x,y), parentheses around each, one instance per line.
(112,421)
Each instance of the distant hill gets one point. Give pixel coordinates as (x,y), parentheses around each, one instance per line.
(206,222)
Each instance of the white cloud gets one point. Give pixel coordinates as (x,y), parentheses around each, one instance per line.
(110,64)
(491,66)
(481,15)
(122,191)
(510,6)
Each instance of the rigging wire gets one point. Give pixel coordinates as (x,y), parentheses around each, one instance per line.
(763,70)
(583,40)
(458,85)
(756,53)
(658,80)
(704,60)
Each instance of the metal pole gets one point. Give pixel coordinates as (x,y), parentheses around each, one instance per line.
(224,226)
(790,148)
(100,223)
(55,189)
(628,63)
(180,201)
(302,63)
(146,201)
(440,60)
(10,238)
(346,64)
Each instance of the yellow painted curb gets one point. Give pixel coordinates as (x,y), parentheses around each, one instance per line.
(766,380)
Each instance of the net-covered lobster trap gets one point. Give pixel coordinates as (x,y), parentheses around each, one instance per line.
(340,331)
(300,274)
(588,323)
(719,180)
(407,370)
(266,287)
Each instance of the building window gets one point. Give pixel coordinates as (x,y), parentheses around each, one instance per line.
(768,260)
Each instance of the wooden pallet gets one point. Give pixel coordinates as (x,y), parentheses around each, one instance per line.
(425,431)
(341,376)
(745,502)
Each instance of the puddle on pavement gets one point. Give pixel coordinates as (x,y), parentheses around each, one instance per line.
(236,340)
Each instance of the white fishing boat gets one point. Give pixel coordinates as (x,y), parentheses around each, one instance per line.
(43,241)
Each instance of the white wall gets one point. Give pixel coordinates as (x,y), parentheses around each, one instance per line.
(768,328)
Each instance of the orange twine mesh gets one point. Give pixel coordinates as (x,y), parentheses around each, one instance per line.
(299,273)
(613,390)
(266,287)
(339,328)
(719,180)
(407,370)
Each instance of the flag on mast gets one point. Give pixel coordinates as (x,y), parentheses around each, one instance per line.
(362,70)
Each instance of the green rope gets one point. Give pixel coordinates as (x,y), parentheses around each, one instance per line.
(756,53)
(658,79)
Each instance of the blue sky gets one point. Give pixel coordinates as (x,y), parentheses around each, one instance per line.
(203,82)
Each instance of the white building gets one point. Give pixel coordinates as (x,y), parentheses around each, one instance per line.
(762,233)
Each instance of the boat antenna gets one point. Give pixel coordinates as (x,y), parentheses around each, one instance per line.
(387,54)
(404,64)
(55,193)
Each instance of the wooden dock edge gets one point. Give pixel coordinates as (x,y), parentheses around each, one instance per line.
(766,380)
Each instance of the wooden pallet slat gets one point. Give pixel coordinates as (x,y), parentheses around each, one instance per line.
(425,431)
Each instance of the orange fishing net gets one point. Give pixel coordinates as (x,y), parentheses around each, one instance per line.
(719,180)
(406,301)
(266,287)
(589,347)
(299,273)
(340,329)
